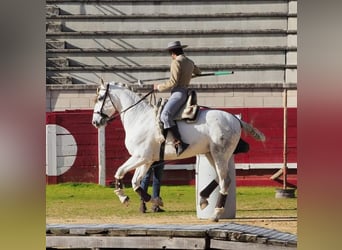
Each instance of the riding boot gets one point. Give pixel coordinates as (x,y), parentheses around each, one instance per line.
(143,194)
(179,144)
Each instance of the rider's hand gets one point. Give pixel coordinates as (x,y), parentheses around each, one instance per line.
(155,86)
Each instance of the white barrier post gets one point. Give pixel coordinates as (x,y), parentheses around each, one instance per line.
(102,155)
(51,150)
(205,173)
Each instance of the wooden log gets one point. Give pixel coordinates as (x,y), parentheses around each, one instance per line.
(119,242)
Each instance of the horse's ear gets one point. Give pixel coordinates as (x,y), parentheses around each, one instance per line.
(102,82)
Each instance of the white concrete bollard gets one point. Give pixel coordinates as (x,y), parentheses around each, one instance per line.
(205,173)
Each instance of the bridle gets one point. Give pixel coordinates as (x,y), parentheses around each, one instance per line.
(100,112)
(105,116)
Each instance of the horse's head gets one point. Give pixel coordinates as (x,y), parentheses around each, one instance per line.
(104,107)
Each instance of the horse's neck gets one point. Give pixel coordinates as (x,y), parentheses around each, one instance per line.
(124,99)
(131,111)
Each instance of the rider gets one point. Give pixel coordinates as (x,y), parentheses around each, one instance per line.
(181,71)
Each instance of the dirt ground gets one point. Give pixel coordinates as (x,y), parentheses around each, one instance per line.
(288,225)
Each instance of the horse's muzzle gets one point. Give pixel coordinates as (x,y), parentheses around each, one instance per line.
(96,124)
(99,123)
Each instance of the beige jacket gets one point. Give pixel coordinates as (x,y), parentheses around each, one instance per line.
(181,72)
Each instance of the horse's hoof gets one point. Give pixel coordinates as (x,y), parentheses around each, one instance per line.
(126,201)
(203,203)
(218,212)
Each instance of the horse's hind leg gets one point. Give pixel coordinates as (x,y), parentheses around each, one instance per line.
(206,192)
(224,182)
(221,160)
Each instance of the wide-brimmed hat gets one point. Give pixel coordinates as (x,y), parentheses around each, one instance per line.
(175,45)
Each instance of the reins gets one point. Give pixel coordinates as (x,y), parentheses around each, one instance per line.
(128,108)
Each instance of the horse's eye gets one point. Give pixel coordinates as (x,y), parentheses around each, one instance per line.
(100,98)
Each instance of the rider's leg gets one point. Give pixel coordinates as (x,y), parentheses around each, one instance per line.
(136,182)
(175,102)
(179,144)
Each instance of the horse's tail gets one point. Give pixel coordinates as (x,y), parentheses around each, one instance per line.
(258,135)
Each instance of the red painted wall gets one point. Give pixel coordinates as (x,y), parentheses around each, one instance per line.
(84,169)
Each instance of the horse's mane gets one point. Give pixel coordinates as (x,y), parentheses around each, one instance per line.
(124,85)
(131,88)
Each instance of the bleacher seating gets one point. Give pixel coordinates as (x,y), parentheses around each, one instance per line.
(125,40)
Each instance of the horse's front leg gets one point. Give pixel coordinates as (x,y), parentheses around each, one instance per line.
(120,193)
(131,164)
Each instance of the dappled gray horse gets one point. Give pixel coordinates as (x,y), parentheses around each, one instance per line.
(215,134)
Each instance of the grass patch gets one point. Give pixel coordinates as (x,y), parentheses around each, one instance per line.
(261,202)
(82,201)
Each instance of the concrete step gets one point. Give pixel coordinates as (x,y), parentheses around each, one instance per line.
(242,73)
(159,40)
(240,76)
(174,24)
(156,51)
(52,10)
(68,48)
(108,7)
(55,45)
(149,17)
(52,27)
(59,80)
(59,62)
(163,68)
(151,59)
(157,32)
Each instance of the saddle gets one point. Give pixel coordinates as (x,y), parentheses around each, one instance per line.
(190,109)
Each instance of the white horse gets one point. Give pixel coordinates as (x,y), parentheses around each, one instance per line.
(215,134)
